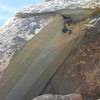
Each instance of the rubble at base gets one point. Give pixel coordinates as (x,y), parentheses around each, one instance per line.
(59,97)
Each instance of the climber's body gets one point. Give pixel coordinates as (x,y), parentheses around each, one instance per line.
(67,24)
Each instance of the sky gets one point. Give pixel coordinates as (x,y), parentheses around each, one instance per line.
(8,8)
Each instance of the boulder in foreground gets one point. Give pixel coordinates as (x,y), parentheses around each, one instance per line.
(59,97)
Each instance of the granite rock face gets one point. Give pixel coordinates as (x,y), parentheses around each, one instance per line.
(81,72)
(17,31)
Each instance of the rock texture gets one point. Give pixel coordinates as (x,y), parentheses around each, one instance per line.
(59,97)
(17,31)
(81,72)
(54,5)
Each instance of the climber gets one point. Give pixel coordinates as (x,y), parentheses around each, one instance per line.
(67,24)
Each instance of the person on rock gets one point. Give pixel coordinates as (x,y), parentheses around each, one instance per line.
(67,24)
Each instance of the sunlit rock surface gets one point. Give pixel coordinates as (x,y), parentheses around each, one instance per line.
(17,31)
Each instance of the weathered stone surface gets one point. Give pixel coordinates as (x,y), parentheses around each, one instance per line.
(24,25)
(59,97)
(81,73)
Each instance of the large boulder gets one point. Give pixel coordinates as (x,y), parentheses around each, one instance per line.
(59,97)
